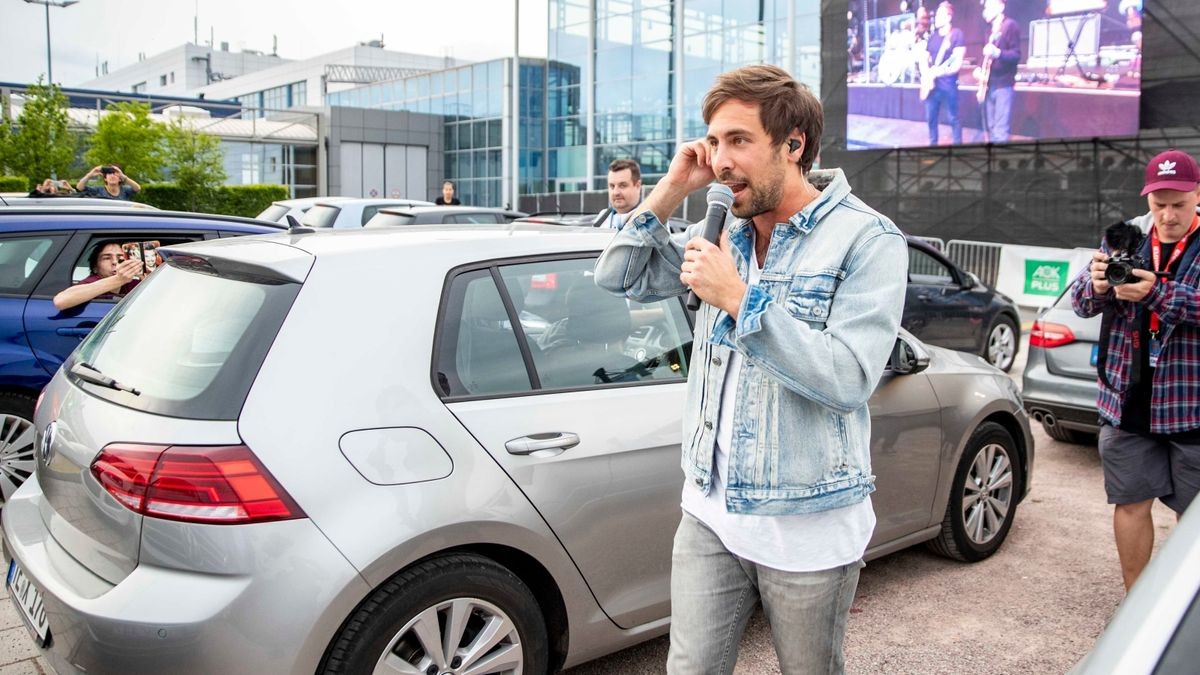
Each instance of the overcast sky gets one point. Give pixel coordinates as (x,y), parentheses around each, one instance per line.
(116,30)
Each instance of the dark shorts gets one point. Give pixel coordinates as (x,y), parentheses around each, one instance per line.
(1138,468)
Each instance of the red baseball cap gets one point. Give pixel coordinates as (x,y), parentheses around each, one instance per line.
(1171,170)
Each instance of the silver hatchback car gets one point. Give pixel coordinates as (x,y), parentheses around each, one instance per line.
(415,450)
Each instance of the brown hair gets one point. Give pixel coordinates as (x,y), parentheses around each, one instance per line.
(949,7)
(783,105)
(621,164)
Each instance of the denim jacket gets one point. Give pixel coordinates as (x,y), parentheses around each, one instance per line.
(815,333)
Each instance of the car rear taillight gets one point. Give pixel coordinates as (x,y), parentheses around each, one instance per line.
(1046,335)
(207,484)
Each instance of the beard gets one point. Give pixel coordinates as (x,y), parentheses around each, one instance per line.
(764,197)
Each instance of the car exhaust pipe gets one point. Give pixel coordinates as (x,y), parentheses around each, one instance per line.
(1049,420)
(1037,416)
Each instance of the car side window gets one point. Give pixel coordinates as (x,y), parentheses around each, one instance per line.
(369,213)
(141,246)
(23,259)
(582,336)
(925,269)
(477,352)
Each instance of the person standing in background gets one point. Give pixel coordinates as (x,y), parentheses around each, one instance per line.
(1001,54)
(946,49)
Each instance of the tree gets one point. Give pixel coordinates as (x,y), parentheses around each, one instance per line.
(196,163)
(40,144)
(126,135)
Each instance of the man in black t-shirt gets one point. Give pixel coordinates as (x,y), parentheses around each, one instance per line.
(946,49)
(447,198)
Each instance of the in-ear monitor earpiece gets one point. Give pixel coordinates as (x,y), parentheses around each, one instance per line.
(793,145)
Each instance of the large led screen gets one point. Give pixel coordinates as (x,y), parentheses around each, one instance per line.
(925,73)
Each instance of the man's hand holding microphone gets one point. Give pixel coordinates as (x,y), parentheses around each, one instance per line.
(708,267)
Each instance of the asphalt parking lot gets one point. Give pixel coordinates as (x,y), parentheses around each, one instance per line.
(1035,607)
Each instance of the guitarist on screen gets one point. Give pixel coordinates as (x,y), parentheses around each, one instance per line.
(998,73)
(939,78)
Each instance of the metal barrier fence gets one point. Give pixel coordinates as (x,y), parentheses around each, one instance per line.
(935,242)
(980,257)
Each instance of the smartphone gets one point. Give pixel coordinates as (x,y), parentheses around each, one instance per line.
(142,256)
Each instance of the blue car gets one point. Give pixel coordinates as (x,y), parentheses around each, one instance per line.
(43,251)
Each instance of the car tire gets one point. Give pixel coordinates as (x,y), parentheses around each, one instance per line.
(17,456)
(464,593)
(1060,433)
(1003,340)
(983,496)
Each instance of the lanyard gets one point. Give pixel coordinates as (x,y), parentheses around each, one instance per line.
(1156,254)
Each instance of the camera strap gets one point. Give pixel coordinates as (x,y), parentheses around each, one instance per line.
(1156,256)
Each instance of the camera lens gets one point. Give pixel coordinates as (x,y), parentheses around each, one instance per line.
(1118,273)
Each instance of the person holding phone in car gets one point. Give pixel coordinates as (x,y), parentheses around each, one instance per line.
(114,275)
(116,184)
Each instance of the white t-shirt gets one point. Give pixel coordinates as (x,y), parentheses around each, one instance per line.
(806,542)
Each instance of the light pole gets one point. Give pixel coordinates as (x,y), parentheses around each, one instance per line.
(48,3)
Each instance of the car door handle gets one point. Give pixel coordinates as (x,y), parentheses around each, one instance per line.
(542,445)
(78,331)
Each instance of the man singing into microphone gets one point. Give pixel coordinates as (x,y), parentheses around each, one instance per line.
(802,302)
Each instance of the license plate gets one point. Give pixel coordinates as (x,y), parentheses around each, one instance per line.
(29,601)
(1095,352)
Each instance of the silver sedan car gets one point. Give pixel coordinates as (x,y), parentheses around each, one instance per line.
(415,450)
(1059,381)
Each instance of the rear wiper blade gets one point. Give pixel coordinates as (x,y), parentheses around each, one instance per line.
(89,373)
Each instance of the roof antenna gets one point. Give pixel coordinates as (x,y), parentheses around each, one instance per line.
(295,228)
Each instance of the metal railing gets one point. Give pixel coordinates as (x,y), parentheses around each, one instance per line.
(980,257)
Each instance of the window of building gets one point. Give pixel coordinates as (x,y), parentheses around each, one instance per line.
(139,88)
(172,77)
(162,80)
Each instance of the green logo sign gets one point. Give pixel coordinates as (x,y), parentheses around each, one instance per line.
(1045,277)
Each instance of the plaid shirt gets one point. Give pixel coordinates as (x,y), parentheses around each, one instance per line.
(1175,392)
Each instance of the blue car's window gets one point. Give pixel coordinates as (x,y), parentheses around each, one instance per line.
(22,259)
(925,269)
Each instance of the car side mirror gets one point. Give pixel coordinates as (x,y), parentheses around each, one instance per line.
(971,280)
(908,357)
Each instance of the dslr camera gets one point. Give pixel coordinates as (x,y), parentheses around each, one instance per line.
(1124,240)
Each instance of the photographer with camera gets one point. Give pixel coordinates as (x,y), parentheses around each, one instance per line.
(116,184)
(1148,288)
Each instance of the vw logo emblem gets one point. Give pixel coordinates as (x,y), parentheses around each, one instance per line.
(47,447)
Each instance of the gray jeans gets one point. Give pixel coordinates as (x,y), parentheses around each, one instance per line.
(713,593)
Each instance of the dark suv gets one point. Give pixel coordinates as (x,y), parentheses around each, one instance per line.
(43,251)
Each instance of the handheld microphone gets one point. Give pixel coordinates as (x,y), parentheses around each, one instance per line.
(719,198)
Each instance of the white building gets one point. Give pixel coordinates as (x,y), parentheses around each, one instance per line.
(305,82)
(183,70)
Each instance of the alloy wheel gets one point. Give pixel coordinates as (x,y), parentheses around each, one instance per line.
(17,460)
(1002,346)
(987,493)
(460,636)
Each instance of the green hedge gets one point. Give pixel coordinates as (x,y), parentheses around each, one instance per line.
(14,184)
(234,200)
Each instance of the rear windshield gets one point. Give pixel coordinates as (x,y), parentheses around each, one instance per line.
(321,215)
(191,343)
(274,212)
(391,219)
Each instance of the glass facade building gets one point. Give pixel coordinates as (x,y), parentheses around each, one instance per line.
(475,104)
(644,67)
(622,79)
